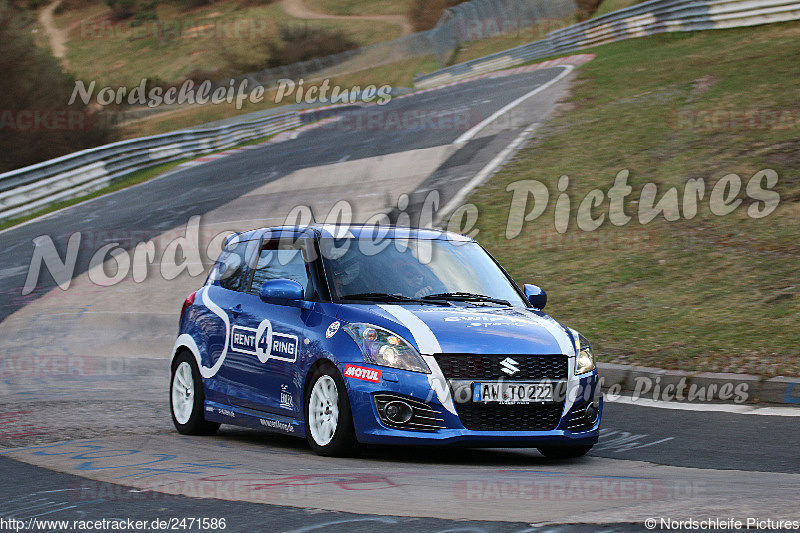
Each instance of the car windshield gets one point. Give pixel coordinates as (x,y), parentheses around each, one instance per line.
(400,270)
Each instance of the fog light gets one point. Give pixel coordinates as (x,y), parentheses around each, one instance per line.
(398,412)
(592,413)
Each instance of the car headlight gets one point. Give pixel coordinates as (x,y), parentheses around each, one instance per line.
(584,362)
(385,348)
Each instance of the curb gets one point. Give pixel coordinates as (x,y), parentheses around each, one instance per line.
(576,60)
(657,383)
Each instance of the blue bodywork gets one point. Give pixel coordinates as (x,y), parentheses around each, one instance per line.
(256,357)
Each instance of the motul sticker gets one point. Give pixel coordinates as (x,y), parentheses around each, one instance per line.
(363,373)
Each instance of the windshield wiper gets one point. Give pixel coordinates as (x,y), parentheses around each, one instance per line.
(383,297)
(466,297)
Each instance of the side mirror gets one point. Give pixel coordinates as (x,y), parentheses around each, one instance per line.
(283,292)
(536,296)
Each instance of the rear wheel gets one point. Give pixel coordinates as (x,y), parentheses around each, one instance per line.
(329,421)
(186,398)
(564,452)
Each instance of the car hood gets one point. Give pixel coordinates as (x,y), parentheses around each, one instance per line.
(467,329)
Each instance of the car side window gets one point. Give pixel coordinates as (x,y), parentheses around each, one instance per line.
(275,262)
(233,270)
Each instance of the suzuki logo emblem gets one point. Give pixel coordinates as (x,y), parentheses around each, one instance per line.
(509,366)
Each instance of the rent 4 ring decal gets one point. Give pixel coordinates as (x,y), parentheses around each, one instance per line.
(264,343)
(363,373)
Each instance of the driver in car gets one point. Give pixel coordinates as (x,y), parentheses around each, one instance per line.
(410,280)
(414,278)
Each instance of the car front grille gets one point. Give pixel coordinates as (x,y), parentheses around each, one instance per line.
(481,366)
(462,369)
(499,417)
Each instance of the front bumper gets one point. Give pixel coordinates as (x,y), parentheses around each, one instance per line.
(416,388)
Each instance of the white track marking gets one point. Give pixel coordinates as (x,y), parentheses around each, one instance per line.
(566,346)
(467,135)
(486,172)
(709,407)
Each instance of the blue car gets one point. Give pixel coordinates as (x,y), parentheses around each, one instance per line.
(379,335)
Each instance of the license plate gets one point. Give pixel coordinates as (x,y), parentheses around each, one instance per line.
(510,392)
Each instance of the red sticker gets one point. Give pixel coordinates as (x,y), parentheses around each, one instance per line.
(363,373)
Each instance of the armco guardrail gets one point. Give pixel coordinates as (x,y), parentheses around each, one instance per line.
(649,18)
(32,188)
(468,21)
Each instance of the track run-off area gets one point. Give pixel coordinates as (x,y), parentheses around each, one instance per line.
(85,428)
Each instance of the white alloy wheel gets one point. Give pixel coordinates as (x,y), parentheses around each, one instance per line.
(323,410)
(183,393)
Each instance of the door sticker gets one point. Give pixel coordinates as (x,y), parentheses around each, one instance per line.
(264,343)
(363,373)
(332,329)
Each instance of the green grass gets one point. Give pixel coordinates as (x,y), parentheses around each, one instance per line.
(715,293)
(200,39)
(360,7)
(613,5)
(398,74)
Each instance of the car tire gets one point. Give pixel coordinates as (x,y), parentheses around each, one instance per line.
(187,399)
(328,418)
(564,452)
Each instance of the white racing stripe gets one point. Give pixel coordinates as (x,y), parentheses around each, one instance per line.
(428,345)
(566,346)
(426,341)
(554,329)
(217,310)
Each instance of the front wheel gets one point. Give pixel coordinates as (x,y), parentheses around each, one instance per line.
(186,398)
(564,452)
(329,421)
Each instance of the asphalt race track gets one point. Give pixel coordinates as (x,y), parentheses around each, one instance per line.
(85,429)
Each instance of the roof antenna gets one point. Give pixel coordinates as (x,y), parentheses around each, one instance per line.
(313,218)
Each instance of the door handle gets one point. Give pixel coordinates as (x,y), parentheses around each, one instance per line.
(236,311)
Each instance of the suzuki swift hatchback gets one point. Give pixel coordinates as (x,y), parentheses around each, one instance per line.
(379,335)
